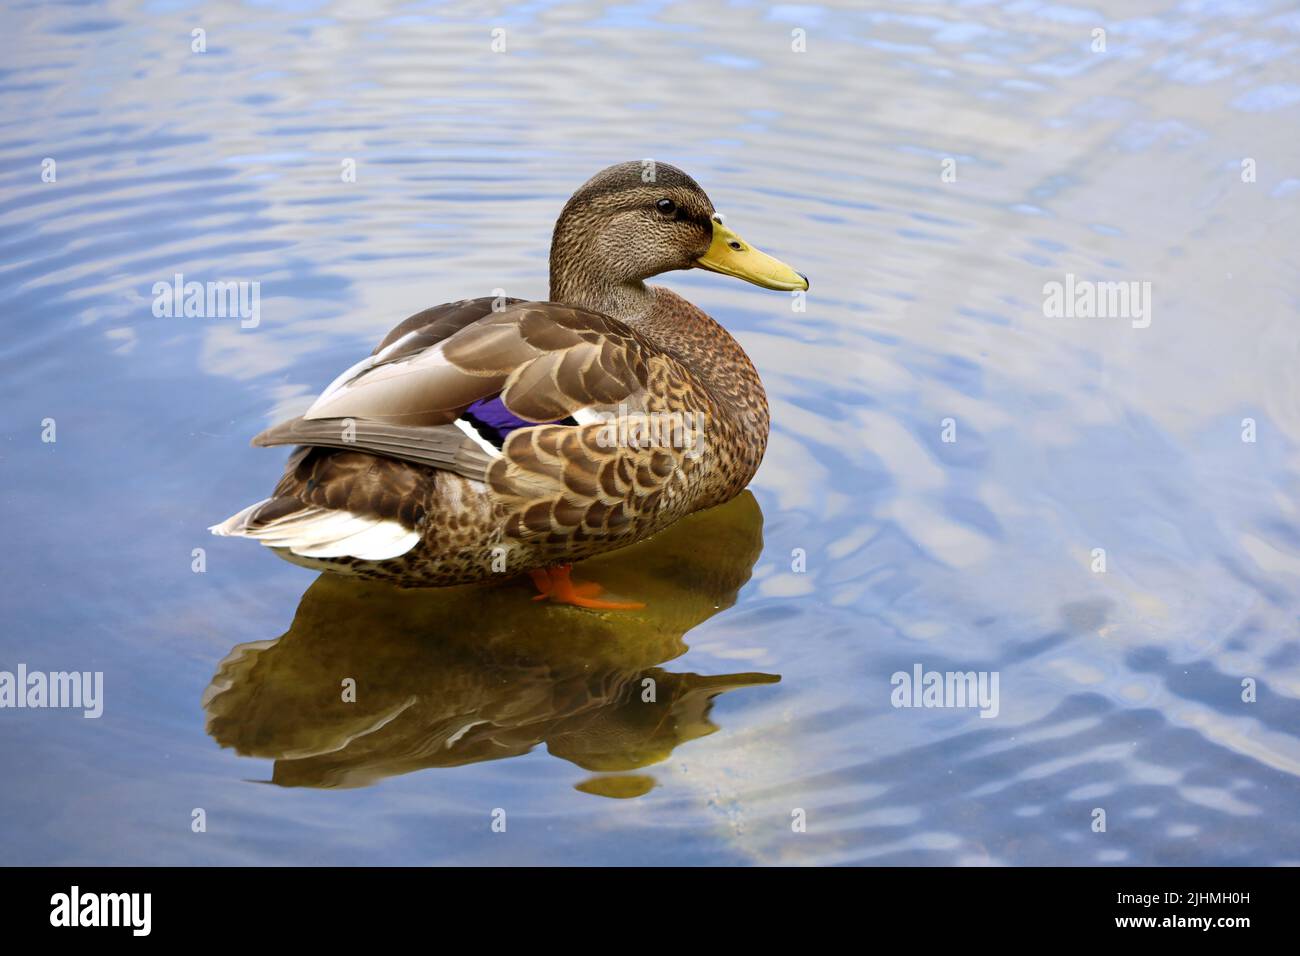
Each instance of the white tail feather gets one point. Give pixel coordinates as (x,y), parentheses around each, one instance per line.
(325,533)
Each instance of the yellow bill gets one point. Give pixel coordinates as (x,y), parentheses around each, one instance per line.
(733,256)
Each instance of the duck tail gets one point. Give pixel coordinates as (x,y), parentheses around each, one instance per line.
(311,531)
(246,523)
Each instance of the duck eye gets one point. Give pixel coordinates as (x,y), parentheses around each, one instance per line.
(666,206)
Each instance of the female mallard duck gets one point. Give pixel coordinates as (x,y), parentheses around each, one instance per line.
(489,437)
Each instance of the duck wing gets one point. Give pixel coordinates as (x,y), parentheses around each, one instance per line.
(544,360)
(528,363)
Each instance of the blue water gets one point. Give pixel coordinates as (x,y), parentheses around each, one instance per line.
(1171,157)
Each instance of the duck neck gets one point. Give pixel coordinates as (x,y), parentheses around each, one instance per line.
(627,301)
(581,276)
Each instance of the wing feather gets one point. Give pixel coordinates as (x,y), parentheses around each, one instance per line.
(546,360)
(442,446)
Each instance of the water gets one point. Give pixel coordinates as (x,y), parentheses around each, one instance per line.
(1120,691)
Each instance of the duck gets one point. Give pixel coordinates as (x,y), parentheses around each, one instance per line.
(495,437)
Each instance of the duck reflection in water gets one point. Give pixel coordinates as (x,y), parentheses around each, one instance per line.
(371,681)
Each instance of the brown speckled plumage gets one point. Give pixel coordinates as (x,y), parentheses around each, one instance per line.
(381,442)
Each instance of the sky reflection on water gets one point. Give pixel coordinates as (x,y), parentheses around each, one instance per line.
(1119,690)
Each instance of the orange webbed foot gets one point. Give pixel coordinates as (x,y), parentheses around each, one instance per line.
(557,585)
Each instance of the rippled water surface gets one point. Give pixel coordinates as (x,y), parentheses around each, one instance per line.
(1171,157)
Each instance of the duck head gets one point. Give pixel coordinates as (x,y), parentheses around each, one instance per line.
(636,220)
